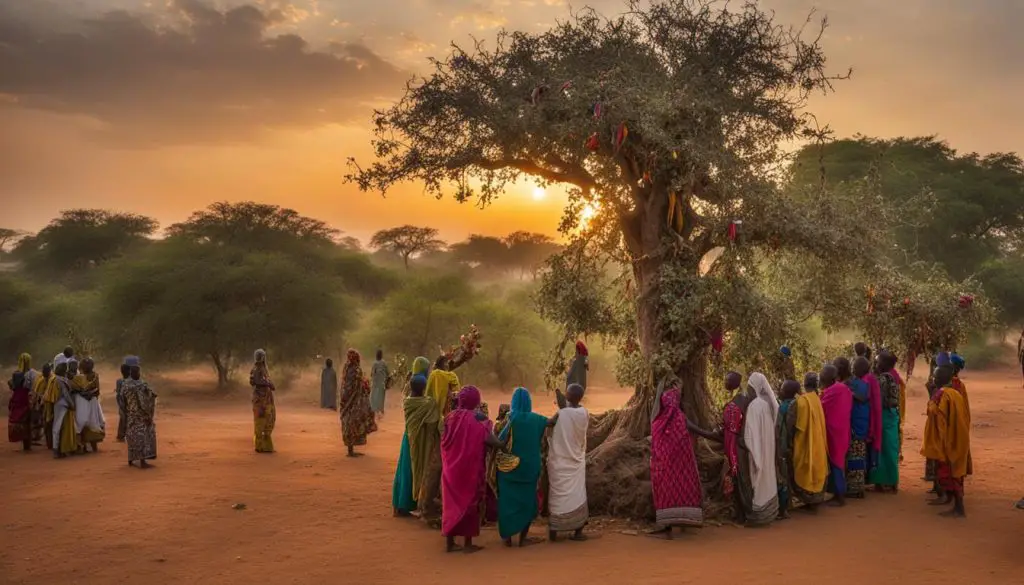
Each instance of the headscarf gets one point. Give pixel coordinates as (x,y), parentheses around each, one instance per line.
(24,362)
(133,361)
(522,405)
(942,358)
(784,350)
(958,361)
(581,348)
(469,398)
(259,356)
(352,358)
(760,384)
(420,365)
(666,383)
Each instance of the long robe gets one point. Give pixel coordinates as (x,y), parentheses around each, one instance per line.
(19,418)
(837,404)
(65,439)
(463,453)
(421,418)
(264,410)
(578,371)
(517,489)
(759,436)
(887,472)
(808,446)
(567,470)
(403,499)
(357,421)
(675,479)
(378,385)
(329,388)
(89,419)
(947,438)
(140,431)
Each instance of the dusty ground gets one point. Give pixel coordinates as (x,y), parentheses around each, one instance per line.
(314,516)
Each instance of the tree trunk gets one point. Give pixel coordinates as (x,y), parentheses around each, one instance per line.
(222,370)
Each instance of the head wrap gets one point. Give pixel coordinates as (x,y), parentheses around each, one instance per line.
(259,356)
(24,362)
(784,350)
(581,348)
(418,383)
(760,384)
(352,357)
(132,361)
(469,398)
(958,361)
(942,358)
(420,365)
(522,405)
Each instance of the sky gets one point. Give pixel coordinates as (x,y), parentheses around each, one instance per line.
(162,107)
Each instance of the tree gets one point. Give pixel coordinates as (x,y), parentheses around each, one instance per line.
(1003,281)
(184,300)
(528,251)
(9,236)
(484,253)
(83,238)
(36,319)
(253,225)
(407,241)
(693,102)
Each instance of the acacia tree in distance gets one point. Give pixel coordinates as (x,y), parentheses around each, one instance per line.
(407,241)
(666,122)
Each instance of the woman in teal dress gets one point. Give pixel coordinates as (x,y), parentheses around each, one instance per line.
(517,489)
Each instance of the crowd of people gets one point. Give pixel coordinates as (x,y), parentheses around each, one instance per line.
(60,406)
(827,439)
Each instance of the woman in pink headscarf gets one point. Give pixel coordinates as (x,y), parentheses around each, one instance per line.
(837,402)
(463,459)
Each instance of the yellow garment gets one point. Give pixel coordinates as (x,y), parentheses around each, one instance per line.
(46,390)
(24,362)
(68,436)
(51,394)
(439,385)
(947,433)
(86,383)
(810,445)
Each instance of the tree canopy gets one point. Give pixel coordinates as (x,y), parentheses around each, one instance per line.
(407,241)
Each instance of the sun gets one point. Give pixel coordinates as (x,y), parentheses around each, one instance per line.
(539,193)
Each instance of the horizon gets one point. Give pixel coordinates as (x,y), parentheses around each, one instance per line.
(264,100)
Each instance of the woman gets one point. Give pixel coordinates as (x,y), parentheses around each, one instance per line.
(329,386)
(517,488)
(759,437)
(122,414)
(42,417)
(837,404)
(19,419)
(264,412)
(357,420)
(379,377)
(140,406)
(580,367)
(421,434)
(860,424)
(804,439)
(567,467)
(675,479)
(89,420)
(736,472)
(886,475)
(65,439)
(947,441)
(441,386)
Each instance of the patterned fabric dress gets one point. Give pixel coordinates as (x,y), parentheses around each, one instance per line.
(857,456)
(19,419)
(264,411)
(357,420)
(140,429)
(675,479)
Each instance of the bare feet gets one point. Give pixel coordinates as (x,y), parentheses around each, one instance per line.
(578,537)
(941,501)
(453,548)
(472,548)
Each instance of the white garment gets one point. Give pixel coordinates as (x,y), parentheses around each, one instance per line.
(59,359)
(89,413)
(759,435)
(567,461)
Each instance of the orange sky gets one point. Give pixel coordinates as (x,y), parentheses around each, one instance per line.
(164,106)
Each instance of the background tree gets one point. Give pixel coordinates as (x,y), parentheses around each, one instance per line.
(253,225)
(8,237)
(83,238)
(487,254)
(407,241)
(528,251)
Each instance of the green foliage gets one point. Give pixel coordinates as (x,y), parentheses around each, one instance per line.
(80,239)
(1003,280)
(407,242)
(521,252)
(36,318)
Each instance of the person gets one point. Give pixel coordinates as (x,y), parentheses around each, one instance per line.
(675,478)
(886,475)
(784,367)
(804,438)
(1020,356)
(939,359)
(19,418)
(463,453)
(357,420)
(42,392)
(441,386)
(329,386)
(89,420)
(264,411)
(860,420)
(122,412)
(567,466)
(958,363)
(759,438)
(811,383)
(947,440)
(380,376)
(736,480)
(65,439)
(874,436)
(418,443)
(902,403)
(517,488)
(837,405)
(783,455)
(140,406)
(579,368)
(63,357)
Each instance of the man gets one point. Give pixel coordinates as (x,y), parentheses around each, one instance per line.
(947,441)
(64,357)
(379,378)
(140,406)
(329,386)
(837,405)
(811,383)
(567,467)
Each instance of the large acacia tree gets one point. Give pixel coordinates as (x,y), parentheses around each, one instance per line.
(668,122)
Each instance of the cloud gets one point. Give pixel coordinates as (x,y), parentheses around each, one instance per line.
(191,73)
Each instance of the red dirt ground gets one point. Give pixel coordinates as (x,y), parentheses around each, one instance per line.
(314,516)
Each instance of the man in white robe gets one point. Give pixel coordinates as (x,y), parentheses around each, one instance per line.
(567,467)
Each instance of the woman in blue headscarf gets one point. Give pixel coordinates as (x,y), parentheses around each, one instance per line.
(517,488)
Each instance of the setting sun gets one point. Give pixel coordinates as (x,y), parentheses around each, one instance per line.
(539,193)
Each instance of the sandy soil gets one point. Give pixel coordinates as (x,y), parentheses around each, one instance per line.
(314,516)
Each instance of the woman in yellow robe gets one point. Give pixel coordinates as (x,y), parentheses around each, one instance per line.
(264,411)
(947,441)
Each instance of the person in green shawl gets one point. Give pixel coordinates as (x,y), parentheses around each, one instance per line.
(419,414)
(579,368)
(517,488)
(886,475)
